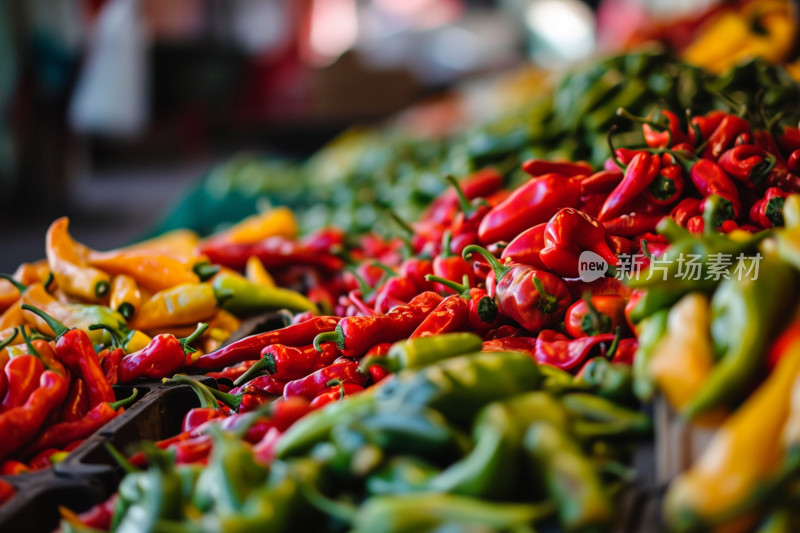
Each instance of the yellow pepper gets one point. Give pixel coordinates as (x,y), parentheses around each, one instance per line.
(256,272)
(277,222)
(125,295)
(183,304)
(179,244)
(67,260)
(683,358)
(153,272)
(744,454)
(787,239)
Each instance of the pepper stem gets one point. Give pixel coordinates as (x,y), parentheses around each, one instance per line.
(49,281)
(645,251)
(205,270)
(10,338)
(116,339)
(596,325)
(231,400)
(461,289)
(547,302)
(466,207)
(375,360)
(17,285)
(266,363)
(58,328)
(405,226)
(343,511)
(622,112)
(499,269)
(125,402)
(614,344)
(610,141)
(447,238)
(31,350)
(126,309)
(203,392)
(186,341)
(101,288)
(120,459)
(340,384)
(329,336)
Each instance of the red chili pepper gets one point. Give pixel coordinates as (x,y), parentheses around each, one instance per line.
(197,416)
(626,351)
(76,404)
(540,167)
(599,287)
(109,362)
(723,137)
(312,385)
(335,393)
(250,347)
(162,356)
(701,128)
(781,177)
(193,450)
(558,350)
(286,411)
(450,315)
(594,315)
(7,491)
(232,372)
(45,350)
(355,335)
(21,424)
(793,162)
(526,247)
(100,516)
(709,178)
(765,140)
(274,252)
(748,163)
(264,383)
(602,182)
(326,239)
(482,312)
(641,171)
(533,298)
(532,203)
(288,362)
(377,373)
(468,218)
(75,350)
(621,245)
(449,266)
(379,349)
(396,291)
(41,460)
(415,269)
(657,134)
(790,139)
(768,211)
(744,138)
(22,373)
(480,184)
(510,344)
(60,434)
(569,233)
(633,224)
(667,187)
(686,209)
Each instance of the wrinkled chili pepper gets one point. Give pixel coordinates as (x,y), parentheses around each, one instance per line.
(639,174)
(748,163)
(289,362)
(532,203)
(250,347)
(312,385)
(768,211)
(355,335)
(533,298)
(75,350)
(569,233)
(162,356)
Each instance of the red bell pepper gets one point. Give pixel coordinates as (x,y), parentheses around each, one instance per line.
(526,247)
(532,203)
(768,211)
(594,315)
(250,347)
(569,233)
(357,334)
(640,172)
(533,298)
(667,187)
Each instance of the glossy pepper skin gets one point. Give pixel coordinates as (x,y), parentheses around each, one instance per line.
(710,178)
(639,174)
(556,349)
(162,356)
(315,383)
(452,314)
(249,348)
(768,211)
(355,335)
(533,298)
(67,260)
(747,163)
(274,252)
(482,312)
(449,266)
(569,233)
(289,362)
(76,404)
(75,350)
(724,136)
(187,303)
(527,247)
(22,375)
(240,295)
(595,315)
(423,351)
(533,203)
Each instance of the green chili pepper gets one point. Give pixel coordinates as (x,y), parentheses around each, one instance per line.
(570,477)
(461,386)
(609,380)
(745,315)
(423,351)
(241,296)
(600,417)
(232,473)
(401,475)
(649,332)
(411,513)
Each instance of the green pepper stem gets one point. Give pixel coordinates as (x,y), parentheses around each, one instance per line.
(186,341)
(58,328)
(610,142)
(447,238)
(231,400)
(340,384)
(126,309)
(467,208)
(204,393)
(266,363)
(346,512)
(376,360)
(329,336)
(31,350)
(594,315)
(645,251)
(116,340)
(612,350)
(10,338)
(405,226)
(125,402)
(547,302)
(49,281)
(461,289)
(499,269)
(121,460)
(101,288)
(622,112)
(205,270)
(17,285)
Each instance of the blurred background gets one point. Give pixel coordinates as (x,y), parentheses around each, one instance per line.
(114,111)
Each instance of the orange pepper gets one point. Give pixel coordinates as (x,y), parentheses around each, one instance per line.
(179,244)
(153,272)
(275,222)
(125,295)
(256,272)
(67,260)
